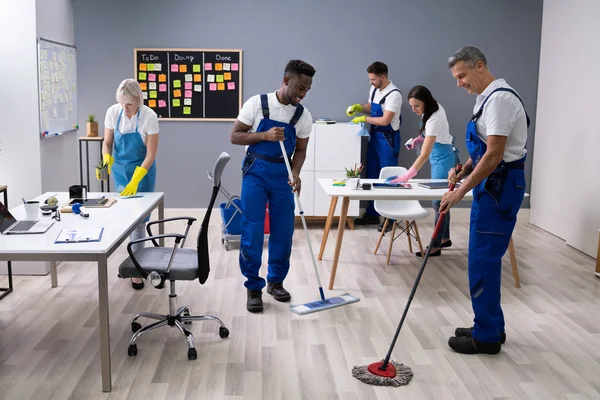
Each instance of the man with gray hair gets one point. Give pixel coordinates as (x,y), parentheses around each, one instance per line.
(496,138)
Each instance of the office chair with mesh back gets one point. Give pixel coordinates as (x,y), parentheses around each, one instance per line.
(160,264)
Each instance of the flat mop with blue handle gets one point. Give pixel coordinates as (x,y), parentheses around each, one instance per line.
(323,304)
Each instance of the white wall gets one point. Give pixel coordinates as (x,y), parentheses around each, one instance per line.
(566,165)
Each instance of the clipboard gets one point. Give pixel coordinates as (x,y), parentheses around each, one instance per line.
(79,235)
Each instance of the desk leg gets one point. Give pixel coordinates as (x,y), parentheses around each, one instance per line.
(161,215)
(87,163)
(53,274)
(338,243)
(332,206)
(513,262)
(104,323)
(598,258)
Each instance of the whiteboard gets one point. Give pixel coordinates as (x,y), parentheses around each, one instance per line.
(57,75)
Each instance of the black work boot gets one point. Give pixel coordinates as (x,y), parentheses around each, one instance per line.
(388,228)
(468,345)
(367,219)
(278,292)
(459,332)
(254,303)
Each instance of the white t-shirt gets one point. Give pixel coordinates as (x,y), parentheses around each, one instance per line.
(251,114)
(503,115)
(437,125)
(147,123)
(392,103)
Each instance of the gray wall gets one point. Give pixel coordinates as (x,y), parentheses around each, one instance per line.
(339,38)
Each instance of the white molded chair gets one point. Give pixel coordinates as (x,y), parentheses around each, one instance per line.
(408,211)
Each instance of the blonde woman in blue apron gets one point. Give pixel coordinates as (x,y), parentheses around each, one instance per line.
(133,129)
(436,144)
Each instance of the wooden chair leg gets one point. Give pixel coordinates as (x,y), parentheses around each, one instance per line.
(391,242)
(598,258)
(385,224)
(408,235)
(418,238)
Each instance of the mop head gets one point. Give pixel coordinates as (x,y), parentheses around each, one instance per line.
(321,305)
(395,375)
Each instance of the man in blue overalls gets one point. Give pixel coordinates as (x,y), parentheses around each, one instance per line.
(262,123)
(383,114)
(496,138)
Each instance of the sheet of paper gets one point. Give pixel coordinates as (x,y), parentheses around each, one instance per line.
(79,235)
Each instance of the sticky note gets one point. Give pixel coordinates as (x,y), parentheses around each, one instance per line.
(212,86)
(144,85)
(153,94)
(197,78)
(187,110)
(183,68)
(177,83)
(152,103)
(162,87)
(207,66)
(152,77)
(177,93)
(188,85)
(219,78)
(142,67)
(187,102)
(174,68)
(221,86)
(162,103)
(230,85)
(188,77)
(176,102)
(196,68)
(152,85)
(234,67)
(142,76)
(210,78)
(162,78)
(188,93)
(227,76)
(158,67)
(197,88)
(145,95)
(150,67)
(226,67)
(218,67)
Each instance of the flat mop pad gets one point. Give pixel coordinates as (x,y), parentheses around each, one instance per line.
(321,305)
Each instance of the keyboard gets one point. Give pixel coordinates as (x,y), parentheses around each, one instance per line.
(23,226)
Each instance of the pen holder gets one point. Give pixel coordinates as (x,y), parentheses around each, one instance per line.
(352,183)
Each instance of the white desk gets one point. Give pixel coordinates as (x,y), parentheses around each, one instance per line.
(118,221)
(416,193)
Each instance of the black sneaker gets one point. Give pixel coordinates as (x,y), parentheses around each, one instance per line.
(367,219)
(254,303)
(436,253)
(460,332)
(468,345)
(278,292)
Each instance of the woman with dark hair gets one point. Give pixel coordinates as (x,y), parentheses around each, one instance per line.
(436,143)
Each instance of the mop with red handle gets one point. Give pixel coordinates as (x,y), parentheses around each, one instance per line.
(387,372)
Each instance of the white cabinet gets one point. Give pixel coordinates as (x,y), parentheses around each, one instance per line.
(330,149)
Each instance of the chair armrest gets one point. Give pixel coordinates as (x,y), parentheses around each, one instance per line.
(160,221)
(178,238)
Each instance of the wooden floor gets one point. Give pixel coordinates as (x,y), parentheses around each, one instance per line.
(49,339)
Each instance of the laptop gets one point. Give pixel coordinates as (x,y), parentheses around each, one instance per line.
(10,226)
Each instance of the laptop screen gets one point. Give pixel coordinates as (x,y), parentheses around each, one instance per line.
(6,218)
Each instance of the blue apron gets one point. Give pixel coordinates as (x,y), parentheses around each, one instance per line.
(265,180)
(496,202)
(384,145)
(130,152)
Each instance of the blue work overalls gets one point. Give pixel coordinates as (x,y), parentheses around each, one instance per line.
(384,145)
(265,179)
(496,202)
(130,152)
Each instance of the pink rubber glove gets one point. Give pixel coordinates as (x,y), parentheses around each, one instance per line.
(416,142)
(411,173)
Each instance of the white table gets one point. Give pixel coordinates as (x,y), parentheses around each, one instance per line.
(118,221)
(415,193)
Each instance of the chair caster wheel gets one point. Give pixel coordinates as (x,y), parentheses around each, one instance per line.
(192,354)
(132,350)
(187,314)
(223,332)
(135,327)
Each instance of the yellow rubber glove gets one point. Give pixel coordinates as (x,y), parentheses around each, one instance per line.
(132,186)
(358,120)
(353,109)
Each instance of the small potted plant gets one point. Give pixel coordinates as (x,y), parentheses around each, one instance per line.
(102,171)
(353,176)
(92,126)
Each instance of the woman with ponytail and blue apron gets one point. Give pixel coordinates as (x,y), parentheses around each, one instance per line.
(435,143)
(129,149)
(496,138)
